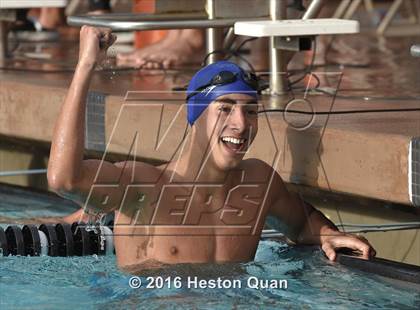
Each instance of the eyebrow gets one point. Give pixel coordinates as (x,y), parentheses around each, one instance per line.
(232,101)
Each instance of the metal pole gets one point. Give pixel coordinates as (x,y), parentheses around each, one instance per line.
(341,9)
(214,36)
(127,25)
(229,39)
(355,4)
(3,40)
(395,6)
(278,61)
(411,11)
(313,9)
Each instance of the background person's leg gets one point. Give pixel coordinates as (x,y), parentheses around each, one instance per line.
(179,47)
(51,18)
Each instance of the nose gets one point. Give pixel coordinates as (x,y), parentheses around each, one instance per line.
(238,120)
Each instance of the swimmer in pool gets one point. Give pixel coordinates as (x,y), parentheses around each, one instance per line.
(208,205)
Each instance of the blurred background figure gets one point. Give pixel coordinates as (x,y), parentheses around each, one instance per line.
(41,24)
(38,24)
(163,48)
(174,49)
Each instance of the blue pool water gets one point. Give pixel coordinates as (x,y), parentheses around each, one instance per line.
(95,282)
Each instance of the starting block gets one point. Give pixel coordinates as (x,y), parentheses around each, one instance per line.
(291,35)
(296,27)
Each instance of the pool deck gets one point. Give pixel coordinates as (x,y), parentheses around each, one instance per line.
(365,154)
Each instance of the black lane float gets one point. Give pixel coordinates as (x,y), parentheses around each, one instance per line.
(60,239)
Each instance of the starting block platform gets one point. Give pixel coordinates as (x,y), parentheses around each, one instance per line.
(21,4)
(296,27)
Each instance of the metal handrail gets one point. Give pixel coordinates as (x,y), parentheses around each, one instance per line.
(22,172)
(155,24)
(314,9)
(135,17)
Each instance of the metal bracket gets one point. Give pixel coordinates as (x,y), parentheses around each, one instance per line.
(294,44)
(95,122)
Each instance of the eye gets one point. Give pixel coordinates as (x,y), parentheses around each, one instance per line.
(225,109)
(252,111)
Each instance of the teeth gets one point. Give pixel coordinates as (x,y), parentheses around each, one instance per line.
(233,140)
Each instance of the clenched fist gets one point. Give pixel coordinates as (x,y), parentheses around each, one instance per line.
(94,43)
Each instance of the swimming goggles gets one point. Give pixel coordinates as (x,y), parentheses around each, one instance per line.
(227,77)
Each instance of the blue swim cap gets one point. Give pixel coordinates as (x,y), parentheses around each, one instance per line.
(198,98)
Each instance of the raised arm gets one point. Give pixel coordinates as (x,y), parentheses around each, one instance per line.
(68,173)
(307,225)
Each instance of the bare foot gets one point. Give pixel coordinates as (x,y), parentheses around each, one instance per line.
(180,47)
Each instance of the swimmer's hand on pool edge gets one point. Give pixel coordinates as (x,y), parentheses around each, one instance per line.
(94,42)
(337,240)
(305,225)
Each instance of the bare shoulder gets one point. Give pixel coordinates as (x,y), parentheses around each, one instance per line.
(256,167)
(258,163)
(259,171)
(139,171)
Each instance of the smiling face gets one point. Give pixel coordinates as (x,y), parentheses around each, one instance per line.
(227,127)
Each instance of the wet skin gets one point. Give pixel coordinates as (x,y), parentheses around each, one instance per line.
(192,228)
